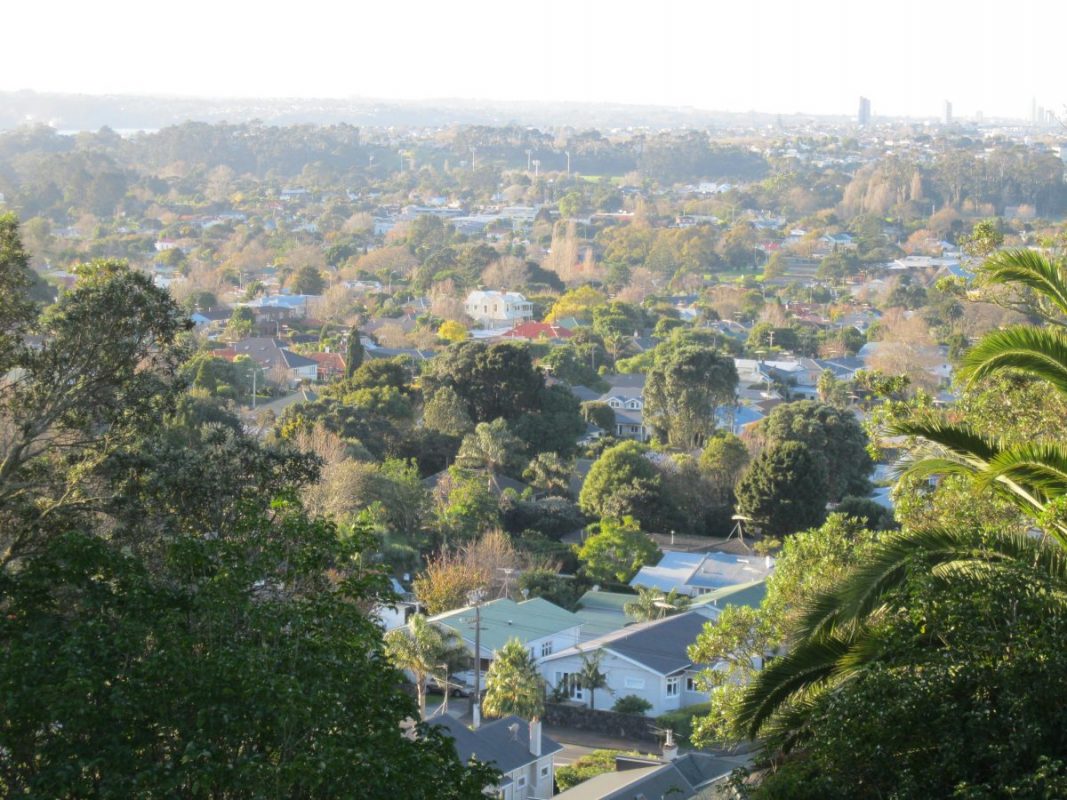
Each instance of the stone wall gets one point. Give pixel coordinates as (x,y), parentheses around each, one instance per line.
(608,723)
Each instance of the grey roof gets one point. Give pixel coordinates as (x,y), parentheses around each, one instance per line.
(584,393)
(677,570)
(684,778)
(269,353)
(626,380)
(496,743)
(661,645)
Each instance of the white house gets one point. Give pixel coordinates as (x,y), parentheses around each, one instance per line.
(517,748)
(650,660)
(495,309)
(542,627)
(627,399)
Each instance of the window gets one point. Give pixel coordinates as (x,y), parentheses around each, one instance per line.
(544,772)
(672,687)
(691,684)
(521,782)
(574,687)
(546,648)
(634,683)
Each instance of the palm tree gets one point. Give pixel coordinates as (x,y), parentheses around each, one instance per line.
(654,604)
(426,651)
(590,677)
(491,446)
(513,684)
(836,636)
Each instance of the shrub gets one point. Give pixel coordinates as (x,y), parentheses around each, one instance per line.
(631,704)
(681,721)
(596,763)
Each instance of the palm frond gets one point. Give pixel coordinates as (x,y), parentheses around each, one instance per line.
(1040,465)
(865,589)
(1030,269)
(1040,352)
(960,440)
(810,663)
(958,450)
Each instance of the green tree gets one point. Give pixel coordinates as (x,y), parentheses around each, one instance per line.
(242,323)
(784,490)
(654,603)
(353,354)
(426,651)
(445,412)
(722,461)
(591,677)
(549,584)
(513,685)
(490,447)
(197,652)
(309,280)
(616,551)
(622,482)
(735,644)
(964,700)
(833,435)
(104,370)
(684,389)
(549,473)
(600,414)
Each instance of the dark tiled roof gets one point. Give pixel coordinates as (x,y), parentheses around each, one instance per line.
(496,743)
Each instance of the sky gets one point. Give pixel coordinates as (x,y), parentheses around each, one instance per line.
(814,57)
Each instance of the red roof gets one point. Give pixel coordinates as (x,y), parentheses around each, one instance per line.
(329,363)
(537,330)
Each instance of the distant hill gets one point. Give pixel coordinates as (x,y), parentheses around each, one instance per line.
(78,112)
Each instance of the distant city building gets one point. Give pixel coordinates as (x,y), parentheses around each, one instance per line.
(864,116)
(492,308)
(946,116)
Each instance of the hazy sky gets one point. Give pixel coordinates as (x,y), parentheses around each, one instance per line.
(767,55)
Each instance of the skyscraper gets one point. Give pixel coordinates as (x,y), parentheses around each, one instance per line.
(946,117)
(864,116)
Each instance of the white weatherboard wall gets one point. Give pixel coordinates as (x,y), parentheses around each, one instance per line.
(625,677)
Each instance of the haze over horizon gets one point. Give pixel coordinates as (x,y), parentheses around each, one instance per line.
(767,56)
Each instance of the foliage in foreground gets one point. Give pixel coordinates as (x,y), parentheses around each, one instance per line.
(246,667)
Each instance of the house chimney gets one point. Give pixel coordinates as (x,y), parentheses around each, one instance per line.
(670,749)
(535,738)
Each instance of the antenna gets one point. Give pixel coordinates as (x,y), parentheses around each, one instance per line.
(739,529)
(506,589)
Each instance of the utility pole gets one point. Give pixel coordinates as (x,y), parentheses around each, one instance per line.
(474,597)
(254,365)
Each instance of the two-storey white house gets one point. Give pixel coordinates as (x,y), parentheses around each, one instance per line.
(626,397)
(650,660)
(494,309)
(517,748)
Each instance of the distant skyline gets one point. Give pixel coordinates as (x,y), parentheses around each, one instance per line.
(815,57)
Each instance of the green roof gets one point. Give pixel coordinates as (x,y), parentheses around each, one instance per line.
(602,612)
(741,594)
(504,619)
